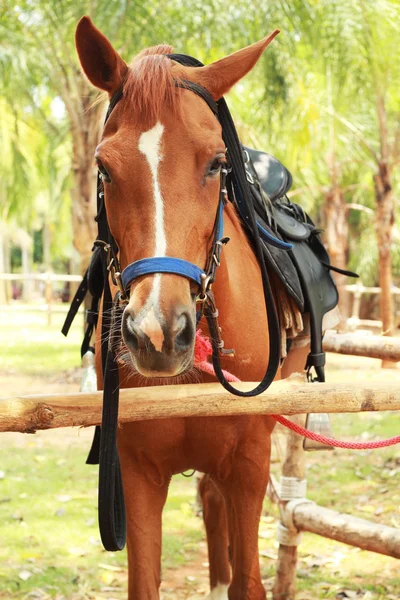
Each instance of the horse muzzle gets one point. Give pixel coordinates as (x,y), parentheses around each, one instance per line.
(160,346)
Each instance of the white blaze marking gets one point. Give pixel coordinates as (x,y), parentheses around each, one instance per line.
(220,592)
(152,328)
(149,145)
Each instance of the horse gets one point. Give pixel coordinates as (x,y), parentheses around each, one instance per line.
(160,158)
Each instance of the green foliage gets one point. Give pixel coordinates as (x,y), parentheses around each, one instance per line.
(312,100)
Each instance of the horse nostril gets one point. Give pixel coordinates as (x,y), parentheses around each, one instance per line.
(185,336)
(129,332)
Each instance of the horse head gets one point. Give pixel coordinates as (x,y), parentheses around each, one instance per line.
(160,158)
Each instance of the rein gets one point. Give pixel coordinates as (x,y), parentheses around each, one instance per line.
(234,186)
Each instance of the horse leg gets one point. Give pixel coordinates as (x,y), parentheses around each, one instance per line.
(214,515)
(145,496)
(244,493)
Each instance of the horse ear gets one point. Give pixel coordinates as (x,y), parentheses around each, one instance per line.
(101,63)
(220,76)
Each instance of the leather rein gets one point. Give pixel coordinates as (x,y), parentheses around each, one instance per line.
(234,187)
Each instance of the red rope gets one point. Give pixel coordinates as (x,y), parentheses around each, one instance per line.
(331,441)
(203,350)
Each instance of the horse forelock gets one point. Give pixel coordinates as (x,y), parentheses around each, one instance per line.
(150,84)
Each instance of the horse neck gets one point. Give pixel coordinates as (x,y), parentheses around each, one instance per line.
(239,264)
(240,300)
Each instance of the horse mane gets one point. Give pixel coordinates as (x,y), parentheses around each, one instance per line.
(150,85)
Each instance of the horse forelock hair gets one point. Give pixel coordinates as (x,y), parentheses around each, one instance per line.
(150,85)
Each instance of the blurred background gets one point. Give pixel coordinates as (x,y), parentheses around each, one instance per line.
(325,100)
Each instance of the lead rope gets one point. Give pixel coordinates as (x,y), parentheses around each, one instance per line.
(111,504)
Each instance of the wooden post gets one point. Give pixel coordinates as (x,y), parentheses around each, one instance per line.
(293,467)
(355,316)
(49,296)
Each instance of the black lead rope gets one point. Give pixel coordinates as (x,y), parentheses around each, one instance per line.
(111,503)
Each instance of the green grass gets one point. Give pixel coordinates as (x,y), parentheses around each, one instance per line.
(49,541)
(48,516)
(32,347)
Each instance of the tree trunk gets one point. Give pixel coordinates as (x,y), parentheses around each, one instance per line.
(83,196)
(3,284)
(336,238)
(7,266)
(85,123)
(384,227)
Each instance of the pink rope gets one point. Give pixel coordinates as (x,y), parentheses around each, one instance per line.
(203,349)
(336,443)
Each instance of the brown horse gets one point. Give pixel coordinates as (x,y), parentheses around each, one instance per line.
(160,155)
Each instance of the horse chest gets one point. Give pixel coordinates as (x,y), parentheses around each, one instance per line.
(209,445)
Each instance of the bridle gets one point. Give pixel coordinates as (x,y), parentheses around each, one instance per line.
(234,187)
(204,278)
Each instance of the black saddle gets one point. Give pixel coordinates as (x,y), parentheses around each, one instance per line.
(274,177)
(305,269)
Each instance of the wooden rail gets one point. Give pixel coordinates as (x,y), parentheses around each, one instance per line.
(372,346)
(40,277)
(48,279)
(345,528)
(30,413)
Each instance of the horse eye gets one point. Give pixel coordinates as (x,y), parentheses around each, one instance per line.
(215,167)
(103,172)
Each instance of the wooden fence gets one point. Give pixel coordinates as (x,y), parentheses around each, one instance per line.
(357,290)
(289,397)
(48,279)
(300,514)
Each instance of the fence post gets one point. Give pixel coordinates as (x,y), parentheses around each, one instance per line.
(49,296)
(355,316)
(293,486)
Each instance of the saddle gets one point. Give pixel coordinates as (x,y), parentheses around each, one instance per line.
(305,269)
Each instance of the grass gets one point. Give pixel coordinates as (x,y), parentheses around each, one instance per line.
(48,512)
(32,347)
(50,547)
